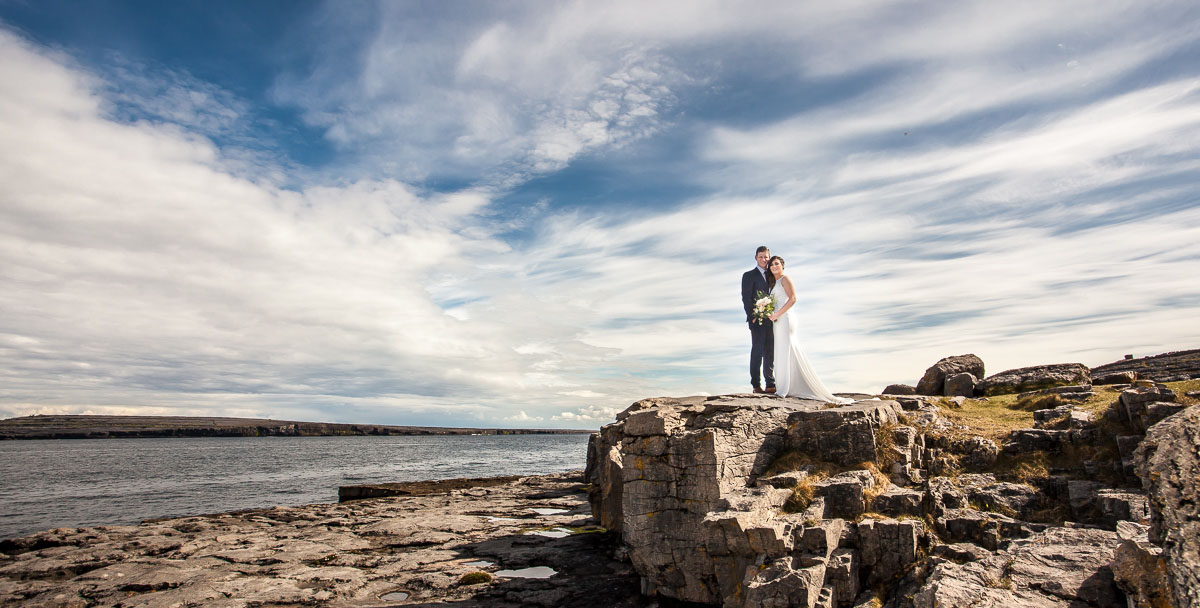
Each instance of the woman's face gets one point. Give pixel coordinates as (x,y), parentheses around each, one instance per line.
(776,267)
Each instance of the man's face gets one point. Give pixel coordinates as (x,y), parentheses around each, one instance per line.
(762,258)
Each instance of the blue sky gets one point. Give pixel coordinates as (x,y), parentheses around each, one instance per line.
(533,214)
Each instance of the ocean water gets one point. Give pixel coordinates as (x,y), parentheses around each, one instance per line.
(88,482)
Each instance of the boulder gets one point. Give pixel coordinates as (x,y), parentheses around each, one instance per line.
(1114,378)
(1168,462)
(960,385)
(899,389)
(1139,568)
(1065,567)
(1034,378)
(933,382)
(1135,404)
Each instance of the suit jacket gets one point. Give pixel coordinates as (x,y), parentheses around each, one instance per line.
(752,283)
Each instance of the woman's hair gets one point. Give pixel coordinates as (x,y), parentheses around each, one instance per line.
(771,275)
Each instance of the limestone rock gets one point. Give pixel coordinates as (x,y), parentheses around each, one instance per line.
(1058,567)
(1034,378)
(843,435)
(347,554)
(1168,462)
(889,547)
(702,519)
(1011,499)
(1135,403)
(960,385)
(899,501)
(1045,418)
(1139,568)
(845,494)
(977,452)
(1159,410)
(899,389)
(1166,367)
(783,583)
(1114,378)
(933,382)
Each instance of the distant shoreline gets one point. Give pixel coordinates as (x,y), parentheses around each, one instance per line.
(126,427)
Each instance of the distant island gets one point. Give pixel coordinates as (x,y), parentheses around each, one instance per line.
(109,427)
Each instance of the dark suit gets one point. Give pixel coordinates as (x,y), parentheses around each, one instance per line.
(762,336)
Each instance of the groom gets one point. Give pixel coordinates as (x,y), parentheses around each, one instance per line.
(762,335)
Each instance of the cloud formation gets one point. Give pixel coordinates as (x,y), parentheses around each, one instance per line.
(1015,183)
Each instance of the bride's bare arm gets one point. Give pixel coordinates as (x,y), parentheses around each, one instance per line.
(791,294)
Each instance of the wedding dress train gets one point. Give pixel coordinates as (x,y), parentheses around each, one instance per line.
(794,377)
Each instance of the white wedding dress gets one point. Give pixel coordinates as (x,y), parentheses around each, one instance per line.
(794,377)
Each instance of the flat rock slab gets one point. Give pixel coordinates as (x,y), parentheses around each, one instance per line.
(361,553)
(419,488)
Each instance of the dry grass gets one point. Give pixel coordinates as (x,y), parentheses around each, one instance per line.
(882,482)
(802,495)
(475,578)
(1183,387)
(819,470)
(1030,468)
(795,460)
(885,441)
(1002,414)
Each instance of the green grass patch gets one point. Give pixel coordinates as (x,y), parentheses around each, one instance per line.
(1183,387)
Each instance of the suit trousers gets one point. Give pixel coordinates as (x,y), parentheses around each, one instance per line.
(762,353)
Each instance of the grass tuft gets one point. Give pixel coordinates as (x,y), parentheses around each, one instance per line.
(475,578)
(1030,468)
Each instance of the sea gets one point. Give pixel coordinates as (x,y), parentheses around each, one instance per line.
(59,483)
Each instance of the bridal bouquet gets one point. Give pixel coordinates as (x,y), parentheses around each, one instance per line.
(764,307)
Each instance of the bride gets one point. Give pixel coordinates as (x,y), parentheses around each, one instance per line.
(794,377)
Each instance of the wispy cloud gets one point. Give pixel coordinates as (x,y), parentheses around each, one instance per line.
(941,179)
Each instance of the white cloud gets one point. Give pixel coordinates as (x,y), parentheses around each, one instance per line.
(593,414)
(521,416)
(146,268)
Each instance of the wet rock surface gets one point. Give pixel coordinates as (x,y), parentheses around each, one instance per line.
(376,552)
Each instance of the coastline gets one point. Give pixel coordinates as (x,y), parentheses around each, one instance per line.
(111,427)
(411,550)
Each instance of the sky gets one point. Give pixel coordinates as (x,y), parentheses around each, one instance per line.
(532,214)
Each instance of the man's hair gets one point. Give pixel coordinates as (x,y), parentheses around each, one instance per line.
(761,248)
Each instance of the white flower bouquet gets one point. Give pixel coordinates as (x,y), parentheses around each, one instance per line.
(764,307)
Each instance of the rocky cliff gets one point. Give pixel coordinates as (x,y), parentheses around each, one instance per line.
(751,501)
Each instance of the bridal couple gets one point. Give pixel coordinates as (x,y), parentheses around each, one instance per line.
(775,346)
